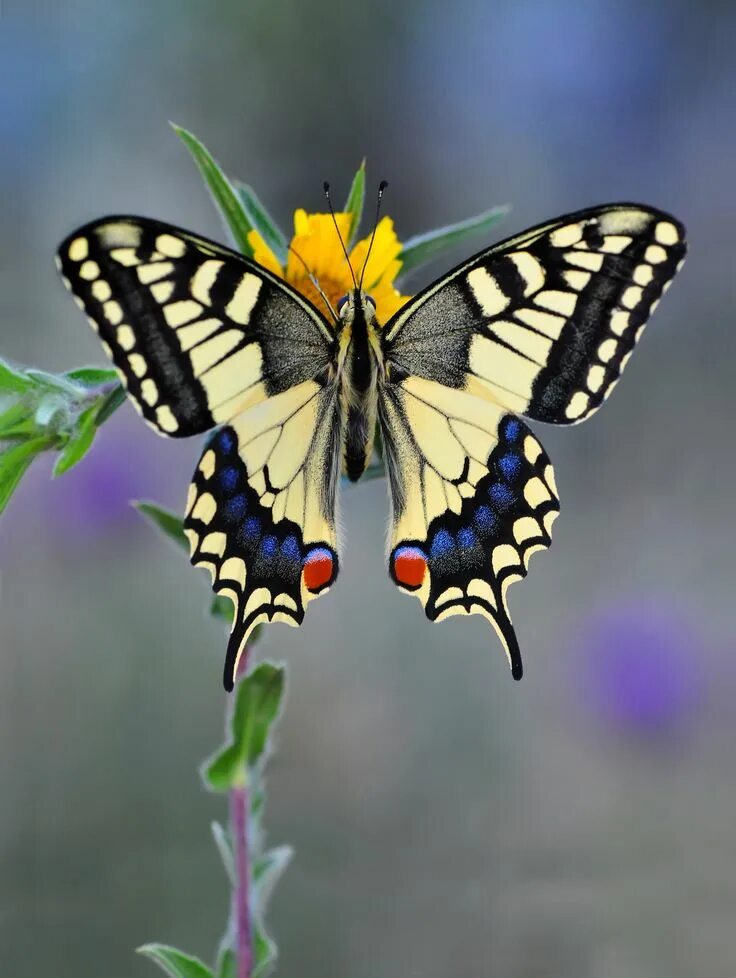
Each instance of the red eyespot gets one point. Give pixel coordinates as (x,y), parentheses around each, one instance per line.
(318,569)
(410,566)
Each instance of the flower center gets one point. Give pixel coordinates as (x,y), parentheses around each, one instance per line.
(333,290)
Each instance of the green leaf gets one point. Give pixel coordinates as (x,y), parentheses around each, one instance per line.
(262,222)
(54,382)
(12,380)
(256,709)
(110,404)
(225,770)
(354,204)
(227,964)
(16,421)
(174,962)
(79,443)
(91,376)
(167,522)
(13,463)
(264,951)
(226,200)
(257,704)
(267,871)
(424,247)
(224,847)
(222,608)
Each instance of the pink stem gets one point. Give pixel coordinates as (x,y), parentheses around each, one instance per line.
(241,891)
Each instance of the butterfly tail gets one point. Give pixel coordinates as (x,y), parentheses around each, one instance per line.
(237,654)
(502,624)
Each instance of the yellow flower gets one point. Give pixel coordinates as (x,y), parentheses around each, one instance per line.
(315,241)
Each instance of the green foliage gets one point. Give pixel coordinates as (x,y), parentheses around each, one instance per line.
(425,247)
(171,525)
(354,204)
(175,963)
(262,222)
(42,412)
(238,766)
(227,964)
(225,847)
(223,193)
(257,704)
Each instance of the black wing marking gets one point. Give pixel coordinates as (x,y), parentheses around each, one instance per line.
(197,332)
(545,322)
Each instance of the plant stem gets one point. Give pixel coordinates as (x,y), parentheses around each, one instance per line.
(241,892)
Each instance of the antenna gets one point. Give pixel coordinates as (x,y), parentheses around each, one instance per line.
(381,187)
(334,221)
(314,281)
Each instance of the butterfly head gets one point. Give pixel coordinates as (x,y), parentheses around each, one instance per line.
(356,305)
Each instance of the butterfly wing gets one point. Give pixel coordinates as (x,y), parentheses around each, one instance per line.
(202,337)
(545,322)
(196,331)
(261,509)
(473,497)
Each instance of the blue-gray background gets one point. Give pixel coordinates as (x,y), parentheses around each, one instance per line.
(446,820)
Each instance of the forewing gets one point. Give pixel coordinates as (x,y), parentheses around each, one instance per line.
(543,323)
(196,331)
(261,510)
(473,497)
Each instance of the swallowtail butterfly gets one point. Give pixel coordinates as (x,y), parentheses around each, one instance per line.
(541,325)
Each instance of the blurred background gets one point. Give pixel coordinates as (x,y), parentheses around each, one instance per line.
(447,821)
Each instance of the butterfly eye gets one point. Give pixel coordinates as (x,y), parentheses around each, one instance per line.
(341,305)
(369,298)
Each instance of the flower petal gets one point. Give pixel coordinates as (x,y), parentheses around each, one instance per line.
(263,254)
(386,248)
(317,244)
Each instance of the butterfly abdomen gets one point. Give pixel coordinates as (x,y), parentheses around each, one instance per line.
(359,392)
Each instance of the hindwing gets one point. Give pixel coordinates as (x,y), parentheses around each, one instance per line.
(545,322)
(261,510)
(196,331)
(473,497)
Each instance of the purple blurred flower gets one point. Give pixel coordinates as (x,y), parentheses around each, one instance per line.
(640,668)
(123,464)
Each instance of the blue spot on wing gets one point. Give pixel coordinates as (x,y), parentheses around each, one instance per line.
(503,497)
(226,441)
(510,429)
(441,544)
(268,546)
(409,552)
(229,478)
(486,520)
(251,529)
(290,548)
(466,538)
(510,466)
(236,507)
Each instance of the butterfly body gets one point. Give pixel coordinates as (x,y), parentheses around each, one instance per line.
(362,365)
(540,325)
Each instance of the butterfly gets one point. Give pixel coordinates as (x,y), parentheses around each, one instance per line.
(540,326)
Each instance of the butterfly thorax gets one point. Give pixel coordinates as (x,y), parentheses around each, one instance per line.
(359,364)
